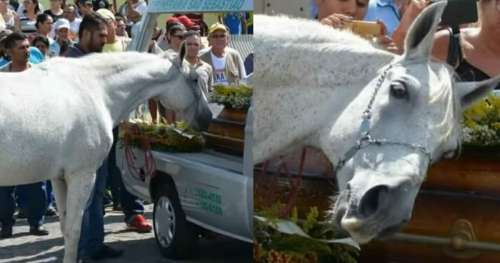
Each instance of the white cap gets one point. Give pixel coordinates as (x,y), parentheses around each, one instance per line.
(61,23)
(106,14)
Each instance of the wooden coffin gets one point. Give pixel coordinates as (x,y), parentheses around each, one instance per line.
(226,133)
(460,201)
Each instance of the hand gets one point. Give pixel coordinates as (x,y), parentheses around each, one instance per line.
(336,20)
(411,10)
(386,43)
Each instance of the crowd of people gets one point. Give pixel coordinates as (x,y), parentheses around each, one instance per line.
(30,35)
(472,49)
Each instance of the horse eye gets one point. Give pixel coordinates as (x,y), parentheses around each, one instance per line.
(399,90)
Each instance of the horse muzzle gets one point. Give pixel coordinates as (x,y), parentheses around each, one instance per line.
(379,211)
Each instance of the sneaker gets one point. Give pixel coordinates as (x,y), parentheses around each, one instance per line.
(38,231)
(51,211)
(139,224)
(117,207)
(6,232)
(106,252)
(21,214)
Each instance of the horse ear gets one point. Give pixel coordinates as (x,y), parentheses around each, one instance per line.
(418,43)
(470,92)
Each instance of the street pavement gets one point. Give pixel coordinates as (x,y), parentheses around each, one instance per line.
(138,248)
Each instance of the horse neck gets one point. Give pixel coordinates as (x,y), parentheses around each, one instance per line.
(132,83)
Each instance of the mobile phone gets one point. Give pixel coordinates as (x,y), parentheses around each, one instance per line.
(367,29)
(458,12)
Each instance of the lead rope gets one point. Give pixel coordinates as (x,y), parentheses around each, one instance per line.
(145,145)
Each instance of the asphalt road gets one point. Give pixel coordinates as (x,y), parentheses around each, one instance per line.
(137,247)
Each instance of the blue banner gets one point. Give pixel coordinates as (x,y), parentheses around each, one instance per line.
(184,6)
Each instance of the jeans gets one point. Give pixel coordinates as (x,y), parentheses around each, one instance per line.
(51,201)
(131,204)
(92,232)
(34,203)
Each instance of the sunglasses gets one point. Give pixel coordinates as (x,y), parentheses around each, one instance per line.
(179,36)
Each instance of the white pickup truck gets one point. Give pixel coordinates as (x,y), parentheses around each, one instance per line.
(208,189)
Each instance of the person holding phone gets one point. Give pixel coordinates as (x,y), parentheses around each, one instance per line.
(474,52)
(347,14)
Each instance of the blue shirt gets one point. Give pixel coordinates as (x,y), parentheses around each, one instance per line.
(35,56)
(75,52)
(385,11)
(3,62)
(233,22)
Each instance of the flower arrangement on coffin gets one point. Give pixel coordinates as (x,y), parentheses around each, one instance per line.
(481,123)
(176,137)
(234,97)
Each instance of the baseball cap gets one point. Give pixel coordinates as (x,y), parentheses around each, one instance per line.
(176,26)
(106,14)
(215,27)
(188,23)
(61,23)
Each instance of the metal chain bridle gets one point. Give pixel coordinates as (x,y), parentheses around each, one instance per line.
(365,139)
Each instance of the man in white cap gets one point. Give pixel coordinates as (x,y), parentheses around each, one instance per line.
(62,31)
(114,42)
(226,62)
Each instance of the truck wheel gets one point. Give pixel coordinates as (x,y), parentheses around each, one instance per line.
(174,235)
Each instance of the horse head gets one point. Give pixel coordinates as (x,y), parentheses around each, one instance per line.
(405,119)
(190,100)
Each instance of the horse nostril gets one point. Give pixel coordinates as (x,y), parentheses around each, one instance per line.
(372,200)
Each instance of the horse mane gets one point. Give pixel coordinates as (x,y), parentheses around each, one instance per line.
(453,105)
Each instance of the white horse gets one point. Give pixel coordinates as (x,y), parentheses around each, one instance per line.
(57,118)
(380,118)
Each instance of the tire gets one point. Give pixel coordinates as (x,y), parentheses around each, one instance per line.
(174,235)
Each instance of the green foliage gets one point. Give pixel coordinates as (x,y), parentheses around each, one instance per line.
(176,137)
(275,247)
(235,97)
(311,219)
(481,124)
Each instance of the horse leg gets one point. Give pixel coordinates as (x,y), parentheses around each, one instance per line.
(80,186)
(61,191)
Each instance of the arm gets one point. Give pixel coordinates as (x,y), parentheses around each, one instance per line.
(17,23)
(241,65)
(441,44)
(411,12)
(132,14)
